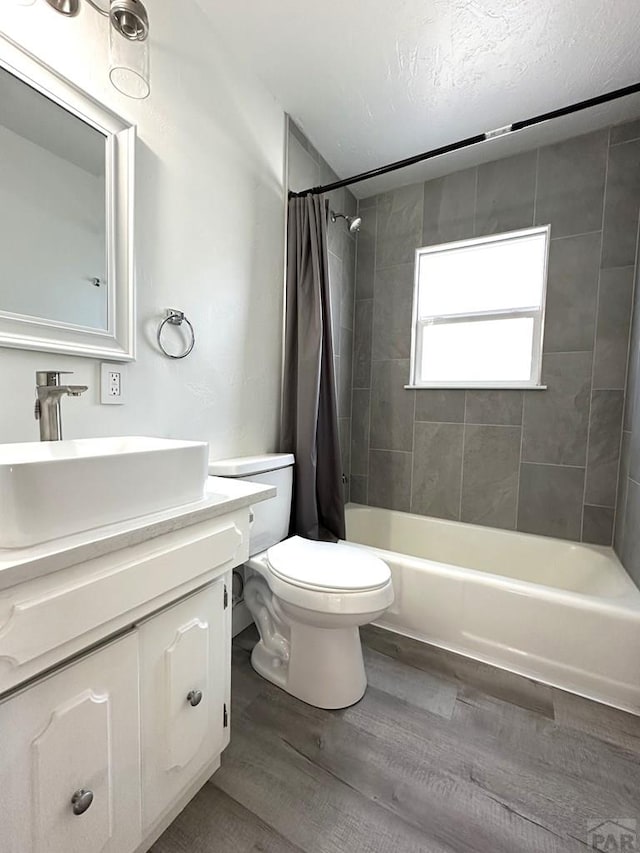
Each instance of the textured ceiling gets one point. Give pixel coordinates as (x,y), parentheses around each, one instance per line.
(371,82)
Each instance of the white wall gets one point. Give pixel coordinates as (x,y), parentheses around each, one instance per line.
(209,236)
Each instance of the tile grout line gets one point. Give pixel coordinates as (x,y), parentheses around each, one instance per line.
(568,352)
(475,201)
(353,361)
(634,297)
(466,392)
(524,396)
(413,451)
(575,236)
(595,330)
(491,388)
(603,388)
(373,308)
(464,438)
(535,189)
(624,141)
(556,465)
(415,396)
(469,423)
(621,266)
(517,519)
(353,339)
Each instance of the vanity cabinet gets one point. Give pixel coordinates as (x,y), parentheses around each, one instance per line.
(115,680)
(70,758)
(94,756)
(184,693)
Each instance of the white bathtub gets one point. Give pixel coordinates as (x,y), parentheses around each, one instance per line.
(562,613)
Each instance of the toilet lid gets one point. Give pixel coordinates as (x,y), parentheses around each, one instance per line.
(328,566)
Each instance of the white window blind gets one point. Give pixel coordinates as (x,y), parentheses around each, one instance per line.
(478,311)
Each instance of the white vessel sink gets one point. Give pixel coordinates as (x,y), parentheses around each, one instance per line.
(54,489)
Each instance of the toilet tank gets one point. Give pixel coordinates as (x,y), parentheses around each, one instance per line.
(271,518)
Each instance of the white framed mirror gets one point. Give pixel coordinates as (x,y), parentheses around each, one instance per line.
(66,216)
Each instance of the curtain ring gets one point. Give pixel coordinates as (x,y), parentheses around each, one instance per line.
(176,318)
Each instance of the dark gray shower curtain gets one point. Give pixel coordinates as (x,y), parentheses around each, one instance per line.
(309,426)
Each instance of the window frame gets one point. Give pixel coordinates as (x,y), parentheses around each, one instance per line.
(537,314)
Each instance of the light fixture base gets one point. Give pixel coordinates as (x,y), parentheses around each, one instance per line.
(70,8)
(130,19)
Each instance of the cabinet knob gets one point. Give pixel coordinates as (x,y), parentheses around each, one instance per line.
(81,801)
(194,697)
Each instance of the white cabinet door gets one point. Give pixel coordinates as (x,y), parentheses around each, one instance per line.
(70,758)
(185,664)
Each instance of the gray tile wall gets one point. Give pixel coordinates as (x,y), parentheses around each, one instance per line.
(543,462)
(627,522)
(308,169)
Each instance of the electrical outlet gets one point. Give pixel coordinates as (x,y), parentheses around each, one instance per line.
(112,384)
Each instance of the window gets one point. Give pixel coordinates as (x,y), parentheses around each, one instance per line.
(478,312)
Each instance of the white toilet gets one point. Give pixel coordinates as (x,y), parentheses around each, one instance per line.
(307,598)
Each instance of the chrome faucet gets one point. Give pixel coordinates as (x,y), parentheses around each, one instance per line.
(49,392)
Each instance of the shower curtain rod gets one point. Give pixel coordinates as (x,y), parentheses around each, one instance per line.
(471,140)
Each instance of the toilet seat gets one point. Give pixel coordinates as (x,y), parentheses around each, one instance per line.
(372,592)
(327,566)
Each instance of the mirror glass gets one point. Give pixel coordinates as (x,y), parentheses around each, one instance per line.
(53,222)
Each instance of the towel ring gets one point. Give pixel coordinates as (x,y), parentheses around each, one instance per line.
(176,318)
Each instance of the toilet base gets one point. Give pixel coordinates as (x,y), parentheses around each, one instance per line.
(313,654)
(325,668)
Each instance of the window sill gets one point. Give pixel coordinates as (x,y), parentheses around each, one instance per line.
(480,386)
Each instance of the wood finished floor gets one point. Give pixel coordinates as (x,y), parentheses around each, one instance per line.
(442,755)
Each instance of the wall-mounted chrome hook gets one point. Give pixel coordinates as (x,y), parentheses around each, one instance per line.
(176,318)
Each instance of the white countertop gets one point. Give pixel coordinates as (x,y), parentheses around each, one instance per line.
(223,496)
